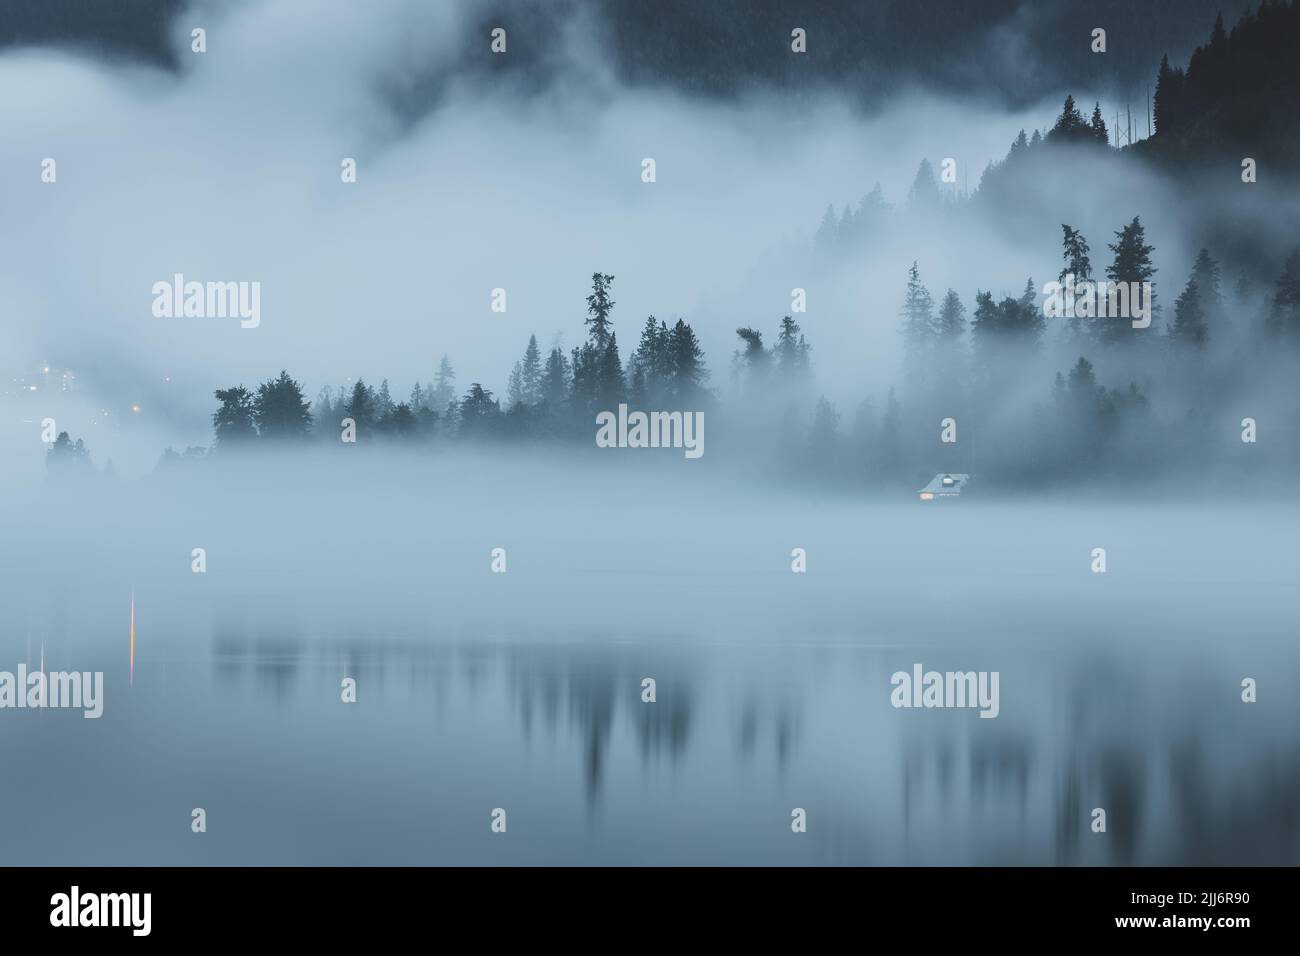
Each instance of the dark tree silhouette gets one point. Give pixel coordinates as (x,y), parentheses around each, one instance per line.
(280,409)
(233,422)
(599,306)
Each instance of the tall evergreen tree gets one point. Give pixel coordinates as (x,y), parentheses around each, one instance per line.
(556,382)
(531,372)
(687,372)
(1098,126)
(1189,321)
(1206,273)
(924,194)
(651,360)
(599,306)
(638,390)
(949,352)
(361,407)
(325,415)
(985,325)
(383,401)
(280,409)
(444,385)
(233,422)
(752,361)
(1132,264)
(1075,250)
(1070,125)
(515,386)
(1283,321)
(480,413)
(792,356)
(951,324)
(611,387)
(422,409)
(1078,264)
(918,331)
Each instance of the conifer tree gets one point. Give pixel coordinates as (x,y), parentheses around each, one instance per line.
(556,382)
(918,331)
(233,422)
(515,386)
(599,306)
(280,409)
(651,359)
(444,385)
(1132,264)
(383,401)
(685,360)
(1283,321)
(480,413)
(531,373)
(752,360)
(1078,264)
(951,323)
(1098,126)
(1070,125)
(361,407)
(792,356)
(1189,321)
(325,415)
(611,387)
(1206,273)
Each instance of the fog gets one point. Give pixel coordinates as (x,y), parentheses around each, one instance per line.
(522,689)
(229,170)
(499,587)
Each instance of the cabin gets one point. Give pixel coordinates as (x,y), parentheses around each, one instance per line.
(944,486)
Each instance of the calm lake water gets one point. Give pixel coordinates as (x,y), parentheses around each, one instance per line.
(523,691)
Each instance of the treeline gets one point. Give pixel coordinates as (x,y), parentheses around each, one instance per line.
(1026,405)
(546,397)
(1241,86)
(1234,99)
(927,196)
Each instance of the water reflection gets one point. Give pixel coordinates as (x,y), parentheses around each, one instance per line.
(248,721)
(891,786)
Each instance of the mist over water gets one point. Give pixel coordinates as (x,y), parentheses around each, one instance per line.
(522,690)
(499,587)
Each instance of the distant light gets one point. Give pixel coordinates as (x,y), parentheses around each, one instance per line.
(47,368)
(135,408)
(927,496)
(32,387)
